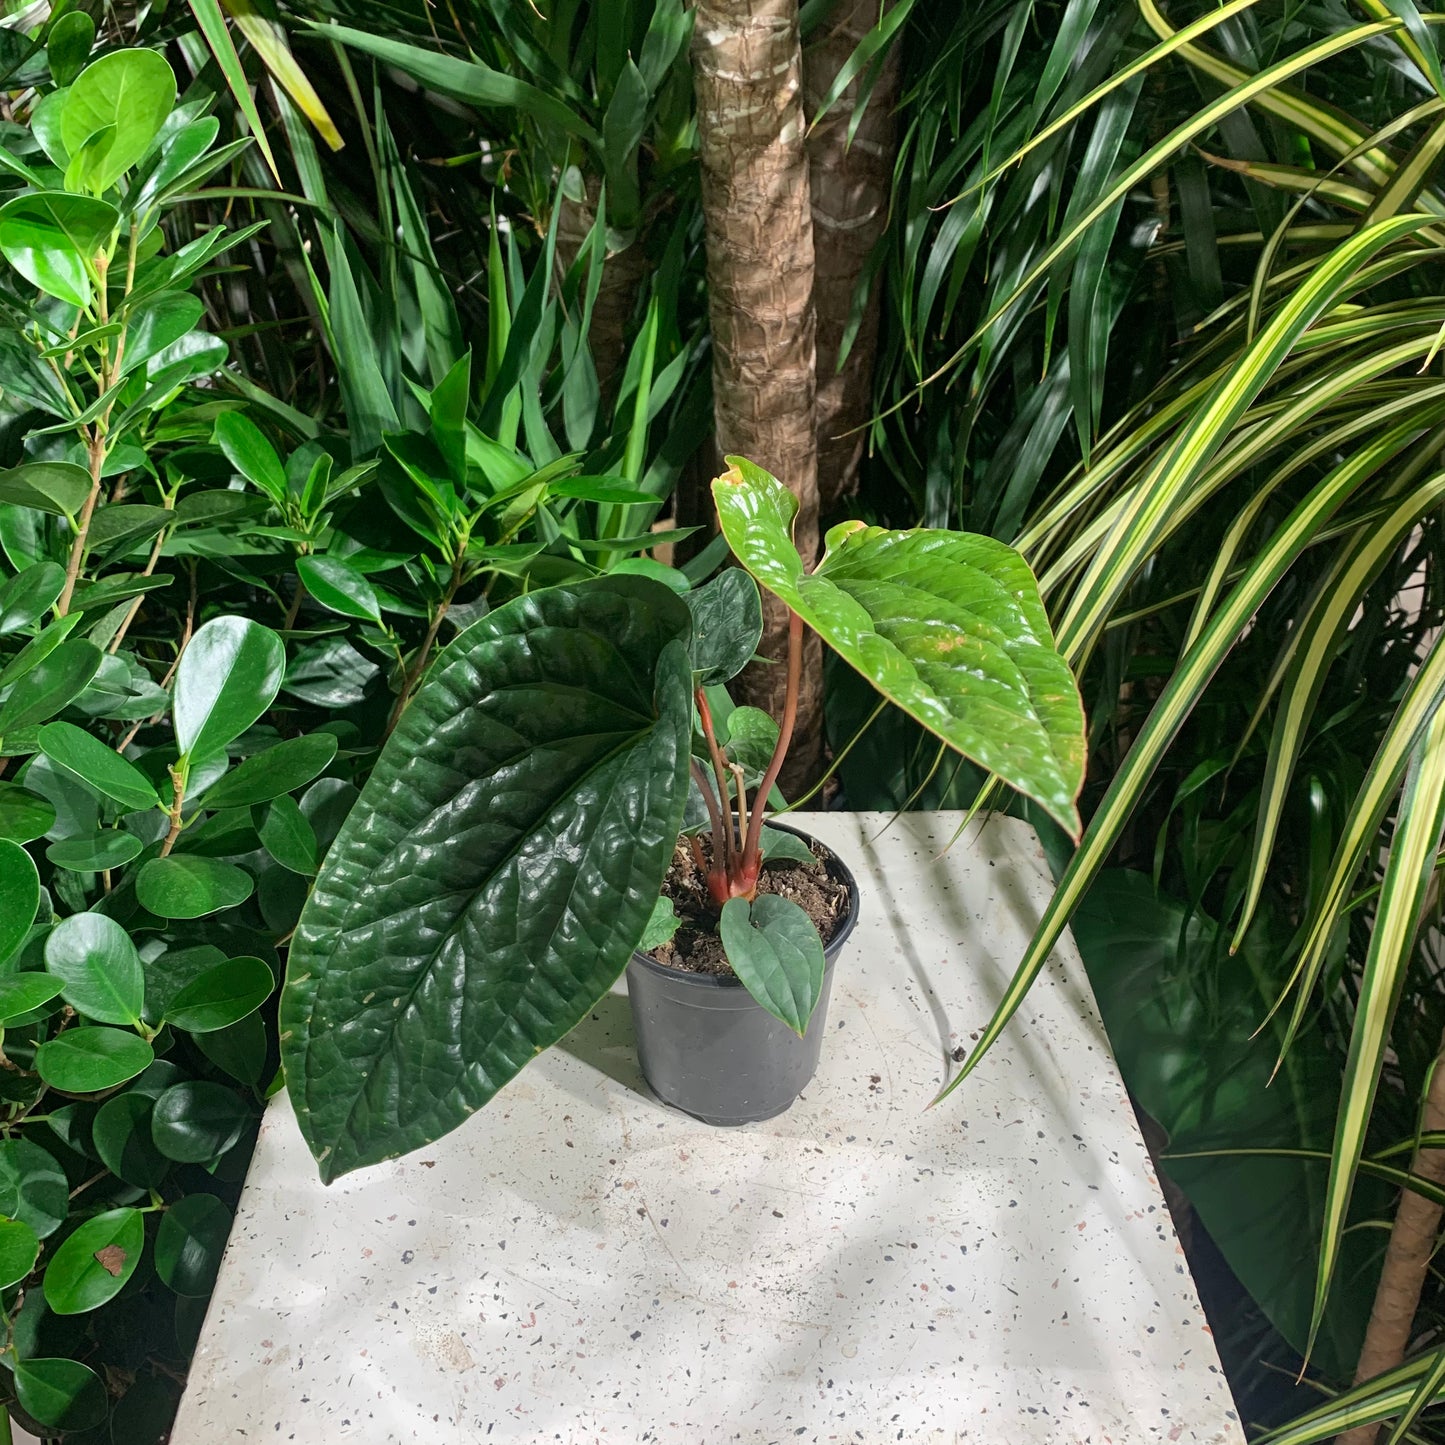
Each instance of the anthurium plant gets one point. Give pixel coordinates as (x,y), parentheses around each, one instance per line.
(506,855)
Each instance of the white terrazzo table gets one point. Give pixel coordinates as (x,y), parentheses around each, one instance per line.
(580,1264)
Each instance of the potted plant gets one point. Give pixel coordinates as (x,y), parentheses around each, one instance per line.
(505,858)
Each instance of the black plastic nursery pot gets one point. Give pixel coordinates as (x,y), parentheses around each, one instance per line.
(708,1048)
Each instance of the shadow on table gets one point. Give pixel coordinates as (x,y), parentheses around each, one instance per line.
(604,1040)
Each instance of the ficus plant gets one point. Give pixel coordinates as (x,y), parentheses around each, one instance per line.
(507,853)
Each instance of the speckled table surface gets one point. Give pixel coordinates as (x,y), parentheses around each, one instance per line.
(580,1264)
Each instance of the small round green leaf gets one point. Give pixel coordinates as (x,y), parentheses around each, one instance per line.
(190,1242)
(52,238)
(775,950)
(69,44)
(22,993)
(61,1394)
(289,837)
(98,967)
(280,769)
(50,685)
(19,896)
(24,815)
(197,1121)
(339,588)
(96,852)
(121,1134)
(100,768)
(92,1266)
(229,675)
(190,886)
(128,93)
(238,1050)
(30,593)
(19,1249)
(221,996)
(87,1060)
(33,1187)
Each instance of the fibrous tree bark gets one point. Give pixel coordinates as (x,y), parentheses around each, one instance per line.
(1407,1259)
(747,73)
(851,186)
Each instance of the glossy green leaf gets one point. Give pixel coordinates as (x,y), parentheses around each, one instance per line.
(52,239)
(116,531)
(126,94)
(280,769)
(50,686)
(102,769)
(727,625)
(29,595)
(197,1121)
(19,1249)
(190,1243)
(68,45)
(60,488)
(33,1187)
(775,950)
(289,838)
(780,847)
(23,816)
(661,926)
(98,967)
(61,1394)
(38,648)
(339,587)
(92,1265)
(562,715)
(247,449)
(186,885)
(229,675)
(19,896)
(946,625)
(157,322)
(221,996)
(87,1060)
(121,1136)
(212,23)
(750,738)
(239,1049)
(22,993)
(96,852)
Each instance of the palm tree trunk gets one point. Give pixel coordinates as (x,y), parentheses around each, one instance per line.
(1407,1259)
(747,74)
(851,185)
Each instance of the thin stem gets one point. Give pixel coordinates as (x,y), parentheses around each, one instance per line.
(147,571)
(722,832)
(295,606)
(705,788)
(178,792)
(423,655)
(785,736)
(95,449)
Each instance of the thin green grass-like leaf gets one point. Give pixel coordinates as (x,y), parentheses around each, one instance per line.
(212,25)
(1375,1400)
(1167,716)
(1431,1384)
(1409,873)
(268,40)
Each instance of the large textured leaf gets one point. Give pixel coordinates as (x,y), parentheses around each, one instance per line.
(946,625)
(496,871)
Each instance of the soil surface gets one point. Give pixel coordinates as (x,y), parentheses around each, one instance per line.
(696,947)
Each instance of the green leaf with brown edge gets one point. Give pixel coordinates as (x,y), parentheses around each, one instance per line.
(947,625)
(19,896)
(775,950)
(502,861)
(87,1060)
(93,1265)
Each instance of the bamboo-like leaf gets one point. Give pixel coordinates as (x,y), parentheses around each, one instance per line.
(1431,1384)
(269,41)
(1165,719)
(1313,642)
(1409,873)
(212,25)
(1375,1400)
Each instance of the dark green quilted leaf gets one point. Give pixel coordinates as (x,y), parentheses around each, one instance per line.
(499,866)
